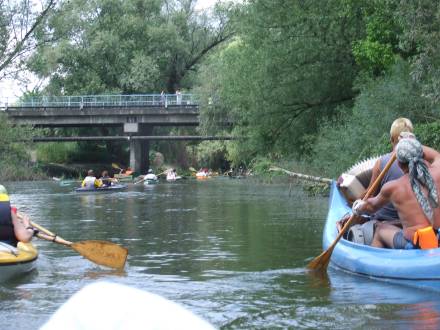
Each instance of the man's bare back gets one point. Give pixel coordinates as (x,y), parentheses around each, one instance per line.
(411,215)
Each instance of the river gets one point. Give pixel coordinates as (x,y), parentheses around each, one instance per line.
(231,251)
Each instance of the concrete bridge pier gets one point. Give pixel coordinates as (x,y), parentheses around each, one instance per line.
(139,149)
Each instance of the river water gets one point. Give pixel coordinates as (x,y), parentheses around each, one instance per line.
(231,251)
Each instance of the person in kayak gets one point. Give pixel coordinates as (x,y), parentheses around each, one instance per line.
(400,128)
(172,175)
(14,227)
(90,181)
(150,176)
(415,197)
(106,180)
(388,212)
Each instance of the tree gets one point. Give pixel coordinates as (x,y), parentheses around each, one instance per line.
(421,41)
(18,24)
(126,46)
(288,69)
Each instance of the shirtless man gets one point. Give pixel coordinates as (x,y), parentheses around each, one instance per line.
(415,198)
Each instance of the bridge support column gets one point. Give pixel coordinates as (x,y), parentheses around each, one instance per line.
(140,149)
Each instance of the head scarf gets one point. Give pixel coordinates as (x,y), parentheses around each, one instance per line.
(409,151)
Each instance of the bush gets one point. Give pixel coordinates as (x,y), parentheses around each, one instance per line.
(56,152)
(364,131)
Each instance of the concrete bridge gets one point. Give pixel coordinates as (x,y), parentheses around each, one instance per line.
(135,114)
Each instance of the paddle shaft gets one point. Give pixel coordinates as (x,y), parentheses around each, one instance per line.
(321,262)
(50,236)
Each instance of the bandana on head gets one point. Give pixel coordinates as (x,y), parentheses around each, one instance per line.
(409,151)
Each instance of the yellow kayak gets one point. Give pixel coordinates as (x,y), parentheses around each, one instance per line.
(15,261)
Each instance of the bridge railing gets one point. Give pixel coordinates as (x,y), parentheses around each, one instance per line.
(161,100)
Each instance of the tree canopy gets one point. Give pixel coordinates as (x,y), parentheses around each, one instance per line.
(126,46)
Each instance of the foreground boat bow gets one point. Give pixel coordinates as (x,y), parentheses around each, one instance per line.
(15,261)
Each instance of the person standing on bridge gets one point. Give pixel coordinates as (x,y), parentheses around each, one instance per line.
(163,99)
(178,97)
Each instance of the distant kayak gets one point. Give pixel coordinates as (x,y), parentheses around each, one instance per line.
(150,182)
(174,179)
(115,187)
(15,261)
(202,175)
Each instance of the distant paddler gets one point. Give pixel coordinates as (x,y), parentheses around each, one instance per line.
(172,175)
(13,229)
(203,173)
(90,181)
(17,255)
(106,180)
(150,177)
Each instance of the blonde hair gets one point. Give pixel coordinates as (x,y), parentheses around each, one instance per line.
(398,126)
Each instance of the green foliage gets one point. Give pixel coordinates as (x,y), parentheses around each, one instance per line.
(373,56)
(420,41)
(56,152)
(14,147)
(211,154)
(429,134)
(260,165)
(287,70)
(376,52)
(130,46)
(364,131)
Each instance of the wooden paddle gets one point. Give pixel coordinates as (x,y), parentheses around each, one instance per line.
(100,252)
(321,262)
(116,166)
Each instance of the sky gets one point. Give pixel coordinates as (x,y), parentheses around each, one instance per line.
(10,89)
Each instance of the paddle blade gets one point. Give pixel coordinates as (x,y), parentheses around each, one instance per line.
(114,165)
(192,169)
(102,253)
(321,262)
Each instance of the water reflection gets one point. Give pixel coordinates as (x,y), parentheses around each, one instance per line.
(405,307)
(232,251)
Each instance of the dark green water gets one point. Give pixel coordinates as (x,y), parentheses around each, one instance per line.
(232,251)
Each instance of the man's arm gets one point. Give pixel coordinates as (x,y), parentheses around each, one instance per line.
(22,227)
(430,155)
(374,174)
(373,204)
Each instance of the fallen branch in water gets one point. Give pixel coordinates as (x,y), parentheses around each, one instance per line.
(301,176)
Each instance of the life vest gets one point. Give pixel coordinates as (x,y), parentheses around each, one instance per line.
(6,227)
(91,182)
(425,238)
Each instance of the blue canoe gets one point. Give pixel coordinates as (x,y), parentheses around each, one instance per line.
(417,268)
(115,187)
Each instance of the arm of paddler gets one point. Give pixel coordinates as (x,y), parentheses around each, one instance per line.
(22,227)
(374,174)
(373,204)
(430,155)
